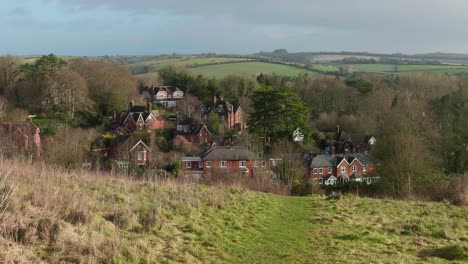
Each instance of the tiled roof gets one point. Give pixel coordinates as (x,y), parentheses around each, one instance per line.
(191,159)
(228,153)
(322,161)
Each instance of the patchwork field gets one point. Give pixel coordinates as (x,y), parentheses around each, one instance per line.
(56,216)
(154,65)
(249,69)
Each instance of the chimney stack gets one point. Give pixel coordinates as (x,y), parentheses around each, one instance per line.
(346,152)
(148,107)
(333,148)
(214,100)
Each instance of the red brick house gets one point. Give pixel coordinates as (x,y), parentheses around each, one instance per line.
(230,116)
(228,159)
(24,136)
(129,153)
(137,118)
(341,168)
(199,134)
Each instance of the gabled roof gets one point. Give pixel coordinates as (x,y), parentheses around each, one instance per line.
(140,143)
(200,128)
(191,159)
(228,153)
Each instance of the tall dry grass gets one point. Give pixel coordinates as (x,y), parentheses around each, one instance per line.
(57,215)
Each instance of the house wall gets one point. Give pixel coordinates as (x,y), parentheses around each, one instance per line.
(178,94)
(161,95)
(129,123)
(194,166)
(134,156)
(152,124)
(202,137)
(231,166)
(318,175)
(336,171)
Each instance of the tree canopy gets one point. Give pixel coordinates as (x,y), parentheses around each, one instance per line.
(277,112)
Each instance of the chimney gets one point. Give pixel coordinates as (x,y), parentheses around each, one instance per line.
(214,100)
(337,128)
(114,116)
(148,107)
(346,152)
(312,156)
(333,148)
(130,105)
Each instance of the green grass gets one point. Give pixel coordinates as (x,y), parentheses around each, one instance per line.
(325,68)
(187,62)
(390,68)
(248,69)
(59,216)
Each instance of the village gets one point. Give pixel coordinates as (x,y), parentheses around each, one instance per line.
(129,145)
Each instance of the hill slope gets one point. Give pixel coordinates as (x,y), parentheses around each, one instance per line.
(58,216)
(249,69)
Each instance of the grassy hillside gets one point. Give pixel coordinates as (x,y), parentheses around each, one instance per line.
(56,216)
(248,68)
(189,61)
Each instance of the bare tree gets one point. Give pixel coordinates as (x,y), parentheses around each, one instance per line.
(72,91)
(8,71)
(3,107)
(189,106)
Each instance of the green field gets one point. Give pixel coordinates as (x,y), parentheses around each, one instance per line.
(155,65)
(249,69)
(325,68)
(390,68)
(58,216)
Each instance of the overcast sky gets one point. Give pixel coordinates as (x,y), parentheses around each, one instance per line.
(125,27)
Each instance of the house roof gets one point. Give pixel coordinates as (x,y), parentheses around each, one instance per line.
(140,143)
(333,161)
(191,159)
(228,153)
(322,161)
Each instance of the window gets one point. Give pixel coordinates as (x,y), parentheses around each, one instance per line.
(321,181)
(263,163)
(223,164)
(208,164)
(315,171)
(141,155)
(354,168)
(189,165)
(242,164)
(200,164)
(255,164)
(329,170)
(321,170)
(364,168)
(343,169)
(123,165)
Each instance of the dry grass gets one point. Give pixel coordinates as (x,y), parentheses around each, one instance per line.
(58,216)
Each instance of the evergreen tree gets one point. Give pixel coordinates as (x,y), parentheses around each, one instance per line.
(277,113)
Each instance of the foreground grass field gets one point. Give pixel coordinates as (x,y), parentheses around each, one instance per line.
(249,69)
(55,216)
